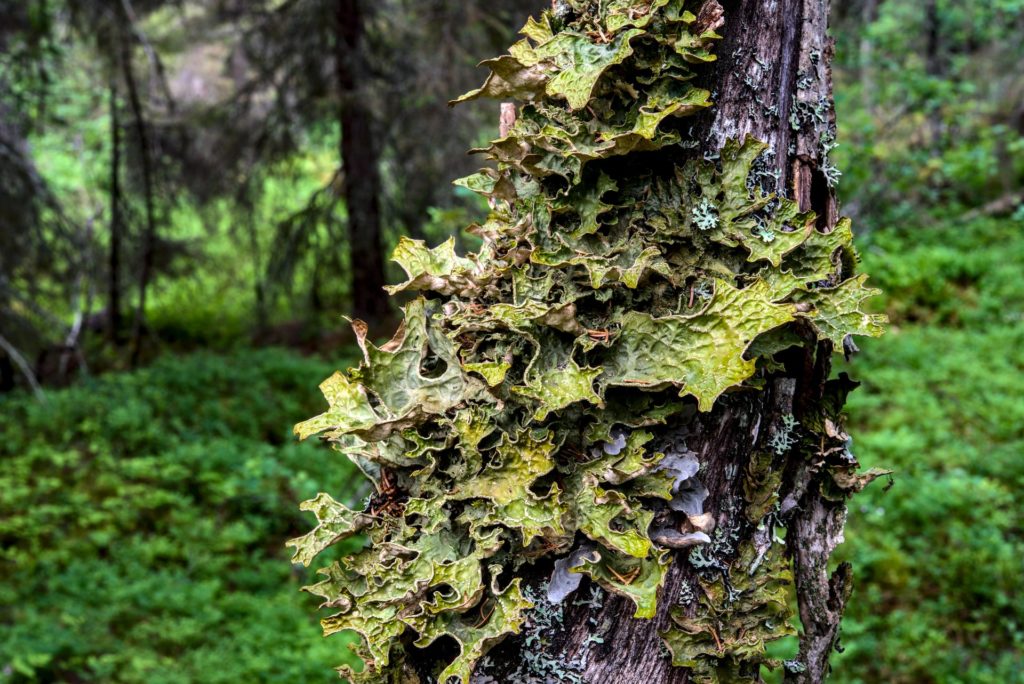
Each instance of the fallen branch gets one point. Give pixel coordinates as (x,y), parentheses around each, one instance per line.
(23,366)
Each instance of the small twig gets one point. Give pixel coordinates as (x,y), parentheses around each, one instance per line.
(155,65)
(484,618)
(718,641)
(628,578)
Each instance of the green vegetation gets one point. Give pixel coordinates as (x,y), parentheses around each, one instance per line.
(142,526)
(171,491)
(928,100)
(938,557)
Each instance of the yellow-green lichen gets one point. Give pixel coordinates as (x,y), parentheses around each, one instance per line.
(621,285)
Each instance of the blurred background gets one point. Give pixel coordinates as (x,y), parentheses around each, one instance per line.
(193,193)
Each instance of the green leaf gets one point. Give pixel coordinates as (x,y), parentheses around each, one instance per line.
(625,13)
(556,381)
(638,579)
(582,63)
(597,508)
(510,78)
(507,613)
(516,466)
(493,372)
(438,269)
(399,376)
(534,516)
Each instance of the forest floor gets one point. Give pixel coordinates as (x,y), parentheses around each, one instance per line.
(143,515)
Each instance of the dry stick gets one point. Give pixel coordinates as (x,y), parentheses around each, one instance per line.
(506,120)
(22,365)
(81,300)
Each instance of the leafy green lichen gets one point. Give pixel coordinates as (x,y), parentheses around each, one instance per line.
(517,407)
(725,640)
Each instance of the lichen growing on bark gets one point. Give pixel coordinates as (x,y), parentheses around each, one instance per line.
(621,282)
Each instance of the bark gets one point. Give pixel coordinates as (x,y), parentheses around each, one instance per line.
(360,157)
(769,47)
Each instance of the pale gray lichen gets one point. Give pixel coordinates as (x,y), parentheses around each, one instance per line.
(784,439)
(540,664)
(794,666)
(595,600)
(828,169)
(704,290)
(766,234)
(705,215)
(687,595)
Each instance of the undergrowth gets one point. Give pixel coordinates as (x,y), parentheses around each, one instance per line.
(938,556)
(142,526)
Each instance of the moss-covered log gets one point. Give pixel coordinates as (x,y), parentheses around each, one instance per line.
(588,438)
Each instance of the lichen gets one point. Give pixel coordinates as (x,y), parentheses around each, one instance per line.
(737,615)
(522,403)
(705,216)
(784,437)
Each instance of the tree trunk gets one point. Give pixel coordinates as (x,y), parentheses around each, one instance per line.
(116,227)
(359,158)
(869,13)
(769,47)
(149,235)
(934,67)
(503,540)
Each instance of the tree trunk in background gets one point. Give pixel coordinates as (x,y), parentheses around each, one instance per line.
(116,227)
(869,13)
(769,47)
(359,159)
(149,236)
(934,67)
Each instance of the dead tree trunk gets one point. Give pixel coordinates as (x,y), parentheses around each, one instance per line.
(359,158)
(773,82)
(935,68)
(622,400)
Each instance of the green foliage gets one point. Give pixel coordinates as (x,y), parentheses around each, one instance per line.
(938,556)
(503,419)
(928,106)
(142,521)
